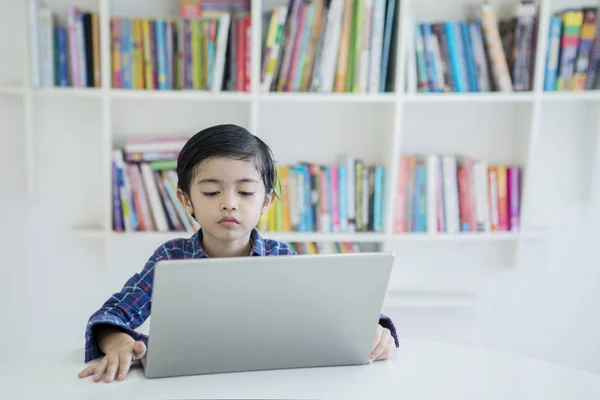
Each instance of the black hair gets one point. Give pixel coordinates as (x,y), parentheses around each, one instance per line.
(226,140)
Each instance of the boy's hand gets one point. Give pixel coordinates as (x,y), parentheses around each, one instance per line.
(117,360)
(383,344)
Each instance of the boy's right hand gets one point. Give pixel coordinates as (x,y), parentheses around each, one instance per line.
(121,350)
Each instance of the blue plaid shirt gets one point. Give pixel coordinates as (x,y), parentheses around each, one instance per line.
(129,308)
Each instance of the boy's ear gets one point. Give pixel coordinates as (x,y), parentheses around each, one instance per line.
(185,201)
(269,199)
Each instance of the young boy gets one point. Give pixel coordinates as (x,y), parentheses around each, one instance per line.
(226,182)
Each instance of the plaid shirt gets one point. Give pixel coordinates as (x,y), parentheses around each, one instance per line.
(129,308)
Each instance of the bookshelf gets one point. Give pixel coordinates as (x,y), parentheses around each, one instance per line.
(516,127)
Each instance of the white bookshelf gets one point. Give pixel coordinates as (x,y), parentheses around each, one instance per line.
(516,128)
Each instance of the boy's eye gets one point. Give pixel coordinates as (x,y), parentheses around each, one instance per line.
(246,193)
(210,194)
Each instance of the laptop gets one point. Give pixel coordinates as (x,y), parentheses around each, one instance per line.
(263,313)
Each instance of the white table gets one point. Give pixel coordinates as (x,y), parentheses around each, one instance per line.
(420,370)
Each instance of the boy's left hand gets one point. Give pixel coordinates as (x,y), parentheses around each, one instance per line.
(383,344)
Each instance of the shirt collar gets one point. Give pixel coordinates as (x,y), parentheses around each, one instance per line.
(258,244)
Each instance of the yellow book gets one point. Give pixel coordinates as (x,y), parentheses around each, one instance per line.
(138,54)
(147,46)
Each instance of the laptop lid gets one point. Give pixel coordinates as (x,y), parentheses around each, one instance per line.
(256,313)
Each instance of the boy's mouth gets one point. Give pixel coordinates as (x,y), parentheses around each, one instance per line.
(229,221)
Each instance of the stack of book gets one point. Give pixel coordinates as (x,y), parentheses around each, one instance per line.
(479,55)
(325,248)
(573,54)
(445,193)
(144,185)
(330,46)
(328,198)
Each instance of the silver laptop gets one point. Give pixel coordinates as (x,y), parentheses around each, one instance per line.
(258,313)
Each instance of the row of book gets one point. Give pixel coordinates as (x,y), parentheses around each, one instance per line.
(446,193)
(144,186)
(330,46)
(479,55)
(434,193)
(203,49)
(347,197)
(325,247)
(573,53)
(63,55)
(326,198)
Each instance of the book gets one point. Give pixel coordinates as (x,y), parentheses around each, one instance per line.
(446,193)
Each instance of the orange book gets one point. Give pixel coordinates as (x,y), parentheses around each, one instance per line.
(502,182)
(343,54)
(463,200)
(314,43)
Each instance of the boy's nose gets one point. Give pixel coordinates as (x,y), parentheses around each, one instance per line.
(229,203)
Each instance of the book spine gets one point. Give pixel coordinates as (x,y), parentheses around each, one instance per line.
(497,57)
(503,210)
(592,75)
(481,65)
(376,45)
(572,21)
(46,47)
(584,53)
(469,58)
(34,42)
(422,77)
(514,196)
(390,17)
(552,54)
(63,68)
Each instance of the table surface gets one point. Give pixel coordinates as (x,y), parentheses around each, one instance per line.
(418,370)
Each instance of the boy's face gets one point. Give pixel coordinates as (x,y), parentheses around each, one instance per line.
(227,197)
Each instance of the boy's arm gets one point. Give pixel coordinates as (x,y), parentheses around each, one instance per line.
(386,322)
(125,310)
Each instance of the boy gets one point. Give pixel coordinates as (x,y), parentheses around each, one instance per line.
(226,182)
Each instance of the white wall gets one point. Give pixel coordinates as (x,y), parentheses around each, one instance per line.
(50,282)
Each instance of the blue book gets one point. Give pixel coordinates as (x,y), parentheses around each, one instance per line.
(456,60)
(62,70)
(309,214)
(434,85)
(378,199)
(126,53)
(161,55)
(469,58)
(343,197)
(552,53)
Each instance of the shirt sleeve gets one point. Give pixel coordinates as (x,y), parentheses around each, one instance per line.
(125,310)
(386,322)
